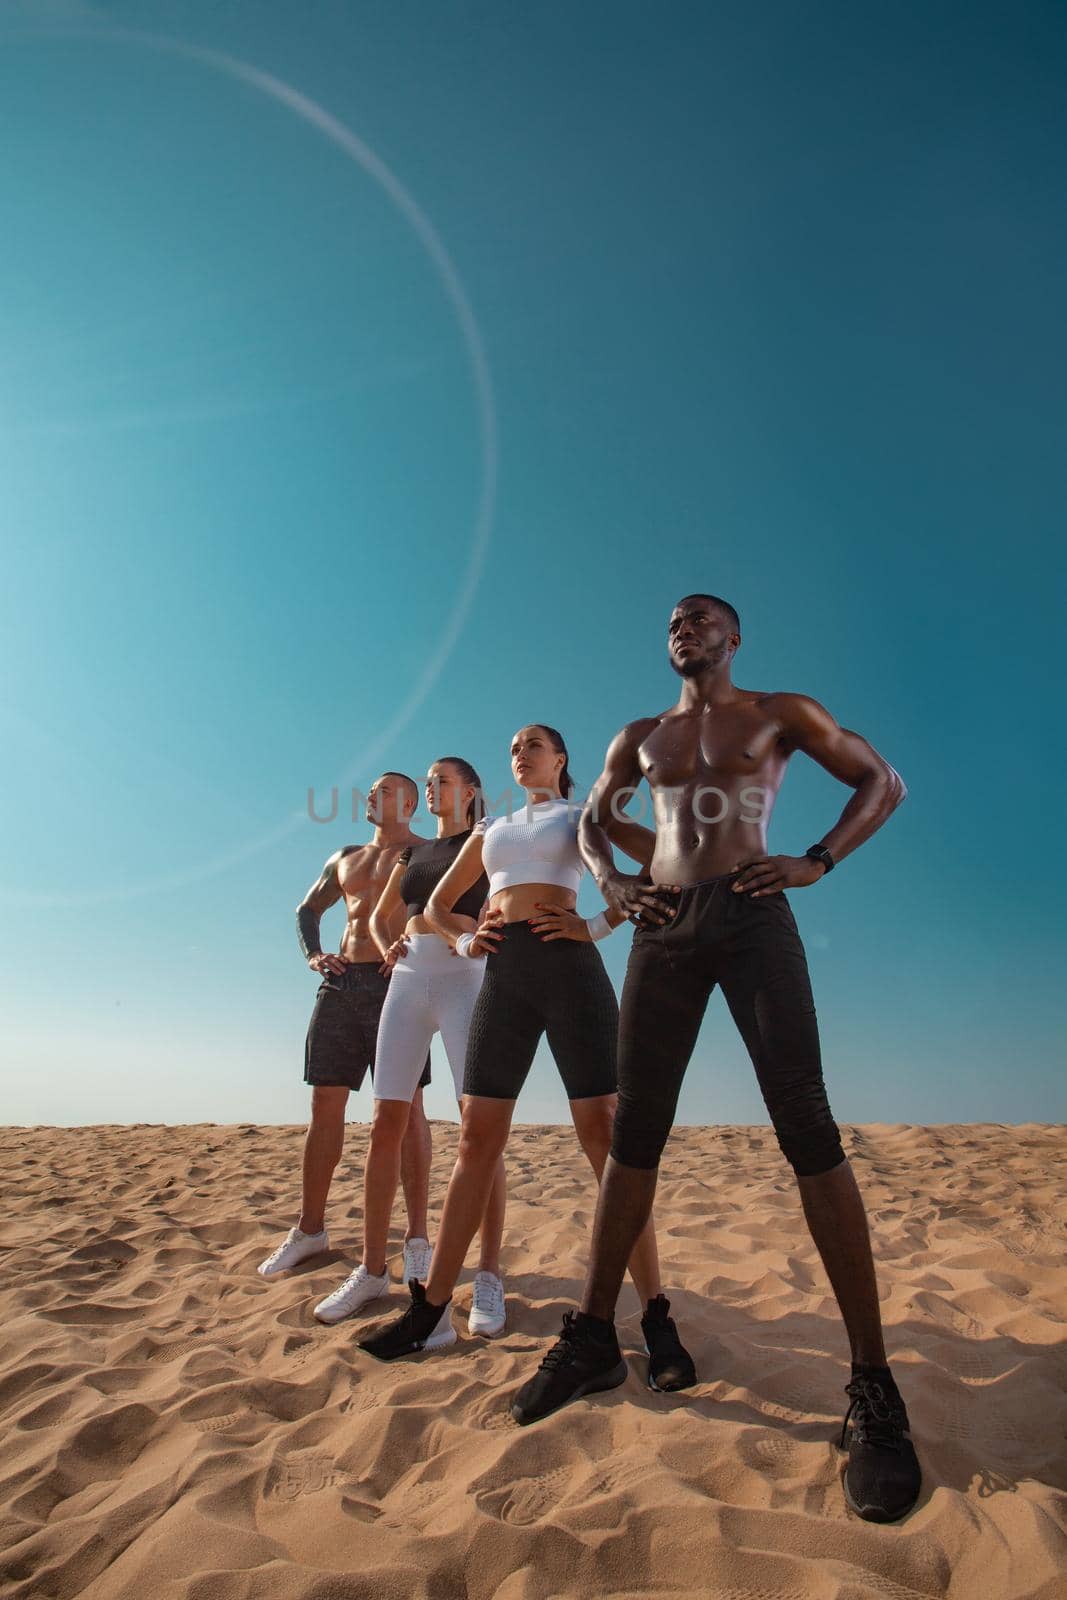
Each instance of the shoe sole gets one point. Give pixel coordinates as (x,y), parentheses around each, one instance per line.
(487,1333)
(331,1322)
(279,1270)
(674,1388)
(436,1341)
(865,1516)
(609,1380)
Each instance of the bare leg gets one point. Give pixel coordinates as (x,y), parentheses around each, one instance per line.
(624,1207)
(493,1222)
(838,1222)
(415,1155)
(380,1179)
(322,1151)
(483,1135)
(593,1123)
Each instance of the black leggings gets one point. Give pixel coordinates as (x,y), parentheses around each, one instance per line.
(531,988)
(752,948)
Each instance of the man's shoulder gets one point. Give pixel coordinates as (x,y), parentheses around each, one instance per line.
(786,702)
(635,732)
(345,854)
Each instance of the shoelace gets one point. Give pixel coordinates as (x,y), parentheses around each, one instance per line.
(660,1328)
(418,1303)
(879,1414)
(276,1255)
(488,1295)
(350,1282)
(564,1348)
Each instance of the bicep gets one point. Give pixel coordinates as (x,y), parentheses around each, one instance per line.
(621,774)
(326,890)
(845,754)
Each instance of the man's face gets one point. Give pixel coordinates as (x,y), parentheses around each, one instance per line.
(387,801)
(698,637)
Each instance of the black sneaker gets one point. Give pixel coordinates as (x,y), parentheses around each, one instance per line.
(670,1366)
(582,1361)
(883,1475)
(422,1327)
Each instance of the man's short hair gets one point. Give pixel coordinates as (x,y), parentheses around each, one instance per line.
(723,605)
(409,783)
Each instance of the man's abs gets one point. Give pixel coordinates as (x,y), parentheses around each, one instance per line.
(708,828)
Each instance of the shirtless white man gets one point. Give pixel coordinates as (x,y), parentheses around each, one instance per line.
(344,1027)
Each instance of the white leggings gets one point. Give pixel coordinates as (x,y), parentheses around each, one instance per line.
(431,991)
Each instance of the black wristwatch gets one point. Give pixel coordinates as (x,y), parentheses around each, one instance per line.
(819,852)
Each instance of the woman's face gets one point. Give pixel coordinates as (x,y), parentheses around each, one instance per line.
(446,793)
(534,762)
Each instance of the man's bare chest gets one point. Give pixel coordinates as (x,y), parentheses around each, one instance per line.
(363,875)
(742,745)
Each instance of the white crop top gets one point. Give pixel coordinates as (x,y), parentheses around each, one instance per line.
(536,844)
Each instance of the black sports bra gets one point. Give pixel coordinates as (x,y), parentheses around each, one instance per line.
(426,864)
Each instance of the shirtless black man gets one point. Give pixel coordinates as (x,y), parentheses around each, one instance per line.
(714,763)
(344,1027)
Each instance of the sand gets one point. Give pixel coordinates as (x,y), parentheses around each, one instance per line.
(174,1426)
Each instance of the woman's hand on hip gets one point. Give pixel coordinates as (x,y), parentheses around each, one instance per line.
(396,952)
(557,922)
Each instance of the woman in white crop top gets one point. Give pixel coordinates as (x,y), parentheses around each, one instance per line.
(543,975)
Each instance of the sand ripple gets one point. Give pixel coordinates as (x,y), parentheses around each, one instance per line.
(174,1427)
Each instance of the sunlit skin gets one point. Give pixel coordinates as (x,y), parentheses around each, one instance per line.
(448,799)
(719,735)
(357,874)
(486,1123)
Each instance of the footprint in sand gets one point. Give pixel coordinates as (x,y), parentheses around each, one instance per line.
(298,1352)
(414,1502)
(776,1453)
(295,1477)
(529,1500)
(361,1401)
(175,1352)
(219,1424)
(498,1421)
(973,1365)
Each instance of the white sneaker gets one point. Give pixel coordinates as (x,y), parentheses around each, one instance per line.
(296,1247)
(488,1313)
(358,1289)
(417,1258)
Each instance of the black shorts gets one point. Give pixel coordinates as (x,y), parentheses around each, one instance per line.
(530,988)
(752,948)
(343,1031)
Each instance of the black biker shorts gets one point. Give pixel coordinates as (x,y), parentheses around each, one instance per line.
(532,988)
(751,947)
(343,1031)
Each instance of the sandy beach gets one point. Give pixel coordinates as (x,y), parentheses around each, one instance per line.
(174,1426)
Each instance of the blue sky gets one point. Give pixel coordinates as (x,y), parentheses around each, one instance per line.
(769,301)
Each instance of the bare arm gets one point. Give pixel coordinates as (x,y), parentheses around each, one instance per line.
(632,838)
(462,875)
(614,789)
(324,893)
(847,756)
(383,918)
(601,822)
